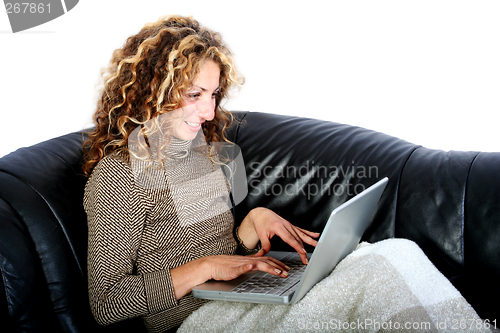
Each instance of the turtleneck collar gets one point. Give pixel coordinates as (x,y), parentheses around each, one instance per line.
(177,148)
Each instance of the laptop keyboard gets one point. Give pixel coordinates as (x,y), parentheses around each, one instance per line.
(265,283)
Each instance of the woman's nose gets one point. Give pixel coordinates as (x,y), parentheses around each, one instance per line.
(206,109)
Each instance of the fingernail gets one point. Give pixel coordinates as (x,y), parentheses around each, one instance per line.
(304,250)
(307,261)
(285,273)
(277,271)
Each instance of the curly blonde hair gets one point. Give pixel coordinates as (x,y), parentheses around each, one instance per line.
(148,76)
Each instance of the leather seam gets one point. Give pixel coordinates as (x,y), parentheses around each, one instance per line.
(398,186)
(466,187)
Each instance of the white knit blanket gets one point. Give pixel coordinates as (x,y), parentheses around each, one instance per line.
(387,286)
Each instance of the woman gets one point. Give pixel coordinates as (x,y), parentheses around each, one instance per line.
(147,247)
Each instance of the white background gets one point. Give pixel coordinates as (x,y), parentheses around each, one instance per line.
(424,71)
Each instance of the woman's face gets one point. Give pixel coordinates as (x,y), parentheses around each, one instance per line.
(199,102)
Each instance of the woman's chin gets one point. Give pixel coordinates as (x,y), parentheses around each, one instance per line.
(185,135)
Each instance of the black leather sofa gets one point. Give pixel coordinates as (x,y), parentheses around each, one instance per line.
(447,202)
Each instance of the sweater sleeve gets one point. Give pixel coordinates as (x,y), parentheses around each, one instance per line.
(116,216)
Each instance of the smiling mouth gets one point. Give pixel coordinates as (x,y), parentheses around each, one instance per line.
(193,124)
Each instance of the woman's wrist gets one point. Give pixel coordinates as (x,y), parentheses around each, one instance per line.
(246,233)
(191,274)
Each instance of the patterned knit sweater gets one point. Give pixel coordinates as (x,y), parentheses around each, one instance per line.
(145,219)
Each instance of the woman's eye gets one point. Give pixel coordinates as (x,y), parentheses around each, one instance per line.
(193,95)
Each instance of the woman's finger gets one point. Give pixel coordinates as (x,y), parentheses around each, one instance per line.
(271,266)
(308,236)
(292,239)
(311,234)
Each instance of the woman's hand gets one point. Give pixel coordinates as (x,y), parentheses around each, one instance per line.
(222,267)
(230,267)
(262,224)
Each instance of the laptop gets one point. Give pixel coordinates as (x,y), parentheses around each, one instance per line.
(341,235)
